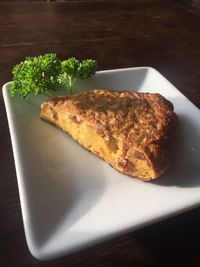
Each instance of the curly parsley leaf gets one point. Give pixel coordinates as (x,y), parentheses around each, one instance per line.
(44,74)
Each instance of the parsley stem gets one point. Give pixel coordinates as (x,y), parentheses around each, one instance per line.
(70,85)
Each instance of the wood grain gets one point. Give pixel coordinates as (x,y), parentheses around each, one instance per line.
(192,5)
(161,34)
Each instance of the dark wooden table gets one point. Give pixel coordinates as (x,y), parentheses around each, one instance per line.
(161,34)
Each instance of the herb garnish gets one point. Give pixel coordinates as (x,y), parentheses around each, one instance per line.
(46,73)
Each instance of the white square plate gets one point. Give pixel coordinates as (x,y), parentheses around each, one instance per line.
(71,199)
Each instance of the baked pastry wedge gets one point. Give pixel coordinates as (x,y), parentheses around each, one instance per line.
(129,130)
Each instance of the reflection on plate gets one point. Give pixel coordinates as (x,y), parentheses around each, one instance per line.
(71,199)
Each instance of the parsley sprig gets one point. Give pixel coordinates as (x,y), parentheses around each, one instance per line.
(46,73)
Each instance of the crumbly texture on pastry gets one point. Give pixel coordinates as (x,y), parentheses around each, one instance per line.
(129,130)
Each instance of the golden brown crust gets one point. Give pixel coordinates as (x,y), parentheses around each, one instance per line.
(142,122)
